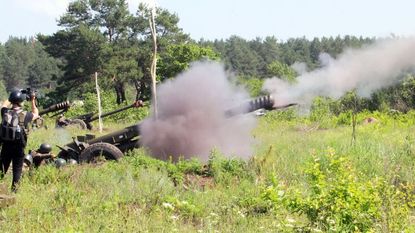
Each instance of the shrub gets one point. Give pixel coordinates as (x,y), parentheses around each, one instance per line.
(183,208)
(339,201)
(223,170)
(321,113)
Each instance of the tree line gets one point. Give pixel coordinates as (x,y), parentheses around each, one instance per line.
(103,36)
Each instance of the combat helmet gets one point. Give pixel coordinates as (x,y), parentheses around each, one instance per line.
(16,97)
(59,162)
(44,148)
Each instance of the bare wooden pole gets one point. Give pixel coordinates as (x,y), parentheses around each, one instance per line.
(99,103)
(154,62)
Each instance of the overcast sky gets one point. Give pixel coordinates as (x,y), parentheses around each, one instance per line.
(216,19)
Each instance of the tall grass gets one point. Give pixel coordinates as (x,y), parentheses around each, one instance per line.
(142,194)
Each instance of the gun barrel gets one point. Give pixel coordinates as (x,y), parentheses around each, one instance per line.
(93,118)
(266,102)
(263,102)
(55,107)
(285,106)
(118,136)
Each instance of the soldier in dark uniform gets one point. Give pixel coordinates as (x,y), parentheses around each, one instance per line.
(14,137)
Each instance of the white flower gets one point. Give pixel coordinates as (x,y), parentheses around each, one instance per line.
(290,220)
(167,205)
(213,214)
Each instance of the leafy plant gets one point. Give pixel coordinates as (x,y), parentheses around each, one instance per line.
(339,201)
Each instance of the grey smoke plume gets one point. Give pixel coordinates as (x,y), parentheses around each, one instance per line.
(365,70)
(191,120)
(299,67)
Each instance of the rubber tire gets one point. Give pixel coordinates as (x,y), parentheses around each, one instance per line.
(109,151)
(78,123)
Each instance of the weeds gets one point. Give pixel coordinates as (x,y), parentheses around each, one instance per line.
(292,183)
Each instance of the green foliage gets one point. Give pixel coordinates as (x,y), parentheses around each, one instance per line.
(321,113)
(252,84)
(338,200)
(24,60)
(240,57)
(252,57)
(18,57)
(176,171)
(221,169)
(3,91)
(399,97)
(121,64)
(280,189)
(43,70)
(282,71)
(184,209)
(108,103)
(47,175)
(177,58)
(281,115)
(225,170)
(383,118)
(104,37)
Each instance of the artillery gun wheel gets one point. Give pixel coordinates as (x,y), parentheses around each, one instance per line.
(80,124)
(106,150)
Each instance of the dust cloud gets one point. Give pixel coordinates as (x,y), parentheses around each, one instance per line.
(191,116)
(364,70)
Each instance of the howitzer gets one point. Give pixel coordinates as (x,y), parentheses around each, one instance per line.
(112,146)
(59,108)
(62,107)
(84,121)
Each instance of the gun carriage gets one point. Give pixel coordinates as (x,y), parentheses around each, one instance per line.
(112,146)
(85,121)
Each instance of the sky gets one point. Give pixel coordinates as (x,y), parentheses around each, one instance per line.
(220,19)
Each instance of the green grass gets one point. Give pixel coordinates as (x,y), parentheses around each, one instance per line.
(142,194)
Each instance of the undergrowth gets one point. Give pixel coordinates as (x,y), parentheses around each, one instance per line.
(305,175)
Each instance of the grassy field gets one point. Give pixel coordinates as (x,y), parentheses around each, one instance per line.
(303,177)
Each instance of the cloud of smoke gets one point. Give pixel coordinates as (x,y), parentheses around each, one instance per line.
(364,70)
(191,116)
(299,67)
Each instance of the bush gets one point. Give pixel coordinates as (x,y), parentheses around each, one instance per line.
(281,115)
(339,201)
(321,113)
(224,170)
(186,209)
